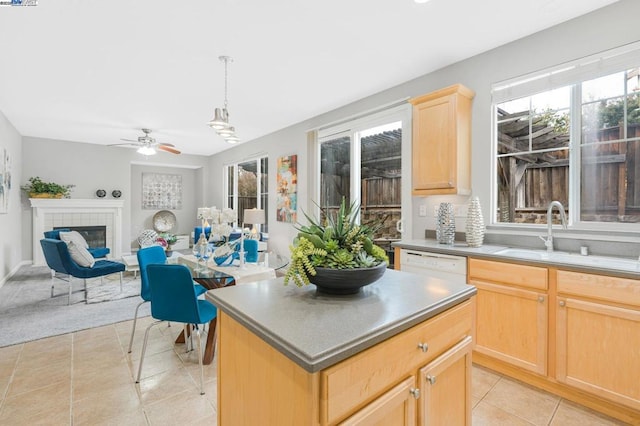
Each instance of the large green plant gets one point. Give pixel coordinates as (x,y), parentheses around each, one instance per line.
(338,242)
(38,186)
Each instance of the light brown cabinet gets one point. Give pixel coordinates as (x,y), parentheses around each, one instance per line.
(598,335)
(512,313)
(441,147)
(572,333)
(380,385)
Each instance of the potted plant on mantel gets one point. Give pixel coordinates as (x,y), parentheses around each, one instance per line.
(37,188)
(339,257)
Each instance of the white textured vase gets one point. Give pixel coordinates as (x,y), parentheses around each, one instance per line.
(475,224)
(445,224)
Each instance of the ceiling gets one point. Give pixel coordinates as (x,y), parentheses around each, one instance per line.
(97,71)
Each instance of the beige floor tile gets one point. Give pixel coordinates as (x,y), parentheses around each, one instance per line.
(97,333)
(48,343)
(570,414)
(156,363)
(8,360)
(474,400)
(129,418)
(166,385)
(482,380)
(107,404)
(155,345)
(31,407)
(487,415)
(33,357)
(183,408)
(524,401)
(206,421)
(100,380)
(29,379)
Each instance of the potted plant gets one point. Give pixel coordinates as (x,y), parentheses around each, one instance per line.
(37,188)
(337,255)
(167,240)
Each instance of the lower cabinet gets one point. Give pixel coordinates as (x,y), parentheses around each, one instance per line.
(598,336)
(512,313)
(420,376)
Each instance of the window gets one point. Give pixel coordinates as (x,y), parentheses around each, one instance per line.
(577,143)
(247,188)
(361,160)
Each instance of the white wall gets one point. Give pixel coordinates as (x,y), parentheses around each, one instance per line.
(603,29)
(10,230)
(91,167)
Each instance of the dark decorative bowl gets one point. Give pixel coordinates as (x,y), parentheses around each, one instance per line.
(346,281)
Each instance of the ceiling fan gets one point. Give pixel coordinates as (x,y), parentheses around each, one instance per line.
(148,145)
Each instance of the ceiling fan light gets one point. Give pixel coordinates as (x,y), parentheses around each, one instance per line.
(146,150)
(219,120)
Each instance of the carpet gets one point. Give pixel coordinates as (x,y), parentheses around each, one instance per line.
(28,312)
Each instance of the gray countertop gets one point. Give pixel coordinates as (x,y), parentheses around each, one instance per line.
(619,267)
(317,330)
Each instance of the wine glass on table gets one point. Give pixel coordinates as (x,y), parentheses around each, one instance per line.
(206,255)
(198,256)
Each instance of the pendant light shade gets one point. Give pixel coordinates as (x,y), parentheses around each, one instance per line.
(220,121)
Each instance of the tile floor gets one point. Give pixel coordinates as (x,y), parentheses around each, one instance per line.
(86,378)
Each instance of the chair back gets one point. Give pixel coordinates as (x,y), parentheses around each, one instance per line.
(55,233)
(174,295)
(148,256)
(57,255)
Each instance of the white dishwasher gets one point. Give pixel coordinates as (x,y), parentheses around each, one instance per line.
(434,264)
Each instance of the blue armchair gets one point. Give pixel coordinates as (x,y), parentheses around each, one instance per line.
(59,260)
(96,252)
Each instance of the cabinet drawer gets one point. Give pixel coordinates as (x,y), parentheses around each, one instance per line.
(508,273)
(609,289)
(351,384)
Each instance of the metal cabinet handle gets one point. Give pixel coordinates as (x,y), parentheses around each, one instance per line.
(541,299)
(423,346)
(431,379)
(562,303)
(415,392)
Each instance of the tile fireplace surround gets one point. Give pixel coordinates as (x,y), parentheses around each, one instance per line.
(48,213)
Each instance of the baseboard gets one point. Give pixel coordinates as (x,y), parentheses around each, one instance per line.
(13,271)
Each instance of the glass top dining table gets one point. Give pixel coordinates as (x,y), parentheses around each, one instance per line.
(213,276)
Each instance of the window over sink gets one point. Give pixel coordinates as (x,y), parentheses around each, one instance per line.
(572,134)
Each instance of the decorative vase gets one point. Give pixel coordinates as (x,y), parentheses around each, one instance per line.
(445,224)
(475,223)
(346,281)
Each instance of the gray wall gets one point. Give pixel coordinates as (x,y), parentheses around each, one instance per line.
(609,27)
(91,167)
(11,239)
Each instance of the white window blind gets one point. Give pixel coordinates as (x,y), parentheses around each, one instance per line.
(593,66)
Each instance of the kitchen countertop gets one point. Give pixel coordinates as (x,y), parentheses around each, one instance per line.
(614,266)
(317,330)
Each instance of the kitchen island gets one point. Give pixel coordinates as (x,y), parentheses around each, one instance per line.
(289,355)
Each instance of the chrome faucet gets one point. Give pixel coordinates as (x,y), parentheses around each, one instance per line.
(548,242)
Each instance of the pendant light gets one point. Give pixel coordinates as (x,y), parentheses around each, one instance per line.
(220,120)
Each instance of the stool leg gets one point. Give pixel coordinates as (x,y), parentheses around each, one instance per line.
(53,276)
(120,282)
(200,359)
(70,289)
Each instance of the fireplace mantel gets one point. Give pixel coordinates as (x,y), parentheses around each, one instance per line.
(50,212)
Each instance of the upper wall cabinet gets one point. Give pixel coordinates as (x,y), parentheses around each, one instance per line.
(442,142)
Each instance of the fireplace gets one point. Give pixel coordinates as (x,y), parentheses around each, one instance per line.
(95,236)
(78,214)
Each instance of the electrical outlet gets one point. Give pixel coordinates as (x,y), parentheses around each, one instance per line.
(422,210)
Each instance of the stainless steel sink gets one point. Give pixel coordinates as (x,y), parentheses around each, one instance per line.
(616,263)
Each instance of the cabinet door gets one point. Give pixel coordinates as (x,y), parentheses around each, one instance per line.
(434,147)
(446,388)
(511,325)
(598,349)
(397,407)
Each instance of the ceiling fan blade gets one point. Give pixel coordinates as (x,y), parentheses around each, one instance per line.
(162,147)
(122,144)
(129,140)
(167,144)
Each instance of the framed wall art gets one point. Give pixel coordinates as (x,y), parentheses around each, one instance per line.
(161,191)
(287,189)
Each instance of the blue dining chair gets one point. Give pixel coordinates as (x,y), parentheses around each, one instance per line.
(148,256)
(174,299)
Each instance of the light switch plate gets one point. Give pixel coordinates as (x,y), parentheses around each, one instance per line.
(422,211)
